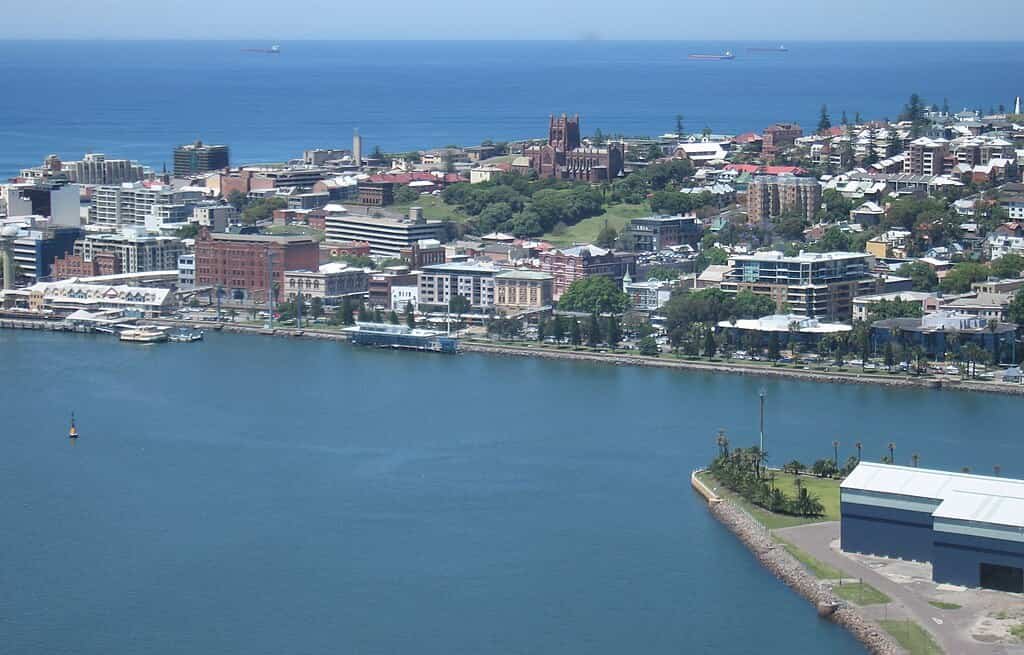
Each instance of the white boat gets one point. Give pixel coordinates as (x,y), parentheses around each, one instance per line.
(144,335)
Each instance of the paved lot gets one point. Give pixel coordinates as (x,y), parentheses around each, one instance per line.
(979,627)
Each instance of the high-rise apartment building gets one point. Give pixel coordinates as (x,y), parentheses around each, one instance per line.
(196,158)
(771,196)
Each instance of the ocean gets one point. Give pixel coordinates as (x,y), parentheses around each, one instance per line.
(137,99)
(249,494)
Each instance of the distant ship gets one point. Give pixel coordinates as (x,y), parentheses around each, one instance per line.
(73,432)
(726,55)
(781,48)
(272,50)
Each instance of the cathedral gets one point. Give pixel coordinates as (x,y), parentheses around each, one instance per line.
(564,157)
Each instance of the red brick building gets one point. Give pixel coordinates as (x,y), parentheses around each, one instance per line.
(240,263)
(571,264)
(779,137)
(71,266)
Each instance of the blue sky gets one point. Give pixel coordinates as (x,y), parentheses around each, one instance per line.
(778,20)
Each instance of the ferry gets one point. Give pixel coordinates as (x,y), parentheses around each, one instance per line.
(724,56)
(144,335)
(781,48)
(401,337)
(73,432)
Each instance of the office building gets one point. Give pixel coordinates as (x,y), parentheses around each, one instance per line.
(944,331)
(187,270)
(967,526)
(197,158)
(382,283)
(135,250)
(54,199)
(386,236)
(34,250)
(656,233)
(812,285)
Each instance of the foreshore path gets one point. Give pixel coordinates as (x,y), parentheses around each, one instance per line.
(951,630)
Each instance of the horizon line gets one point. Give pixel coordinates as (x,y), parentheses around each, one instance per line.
(577,39)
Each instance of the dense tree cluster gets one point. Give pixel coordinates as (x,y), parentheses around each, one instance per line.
(594,294)
(523,206)
(743,472)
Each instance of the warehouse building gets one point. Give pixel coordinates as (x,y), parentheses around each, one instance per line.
(970,527)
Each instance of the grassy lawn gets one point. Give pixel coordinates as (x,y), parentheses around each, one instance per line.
(912,637)
(295,230)
(586,230)
(433,208)
(860,594)
(818,568)
(826,490)
(1018,631)
(943,606)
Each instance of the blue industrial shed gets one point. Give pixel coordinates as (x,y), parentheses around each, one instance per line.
(970,527)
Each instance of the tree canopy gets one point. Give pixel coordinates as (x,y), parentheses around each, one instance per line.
(896,308)
(595,294)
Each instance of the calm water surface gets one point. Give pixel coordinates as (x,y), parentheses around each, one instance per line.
(251,495)
(139,98)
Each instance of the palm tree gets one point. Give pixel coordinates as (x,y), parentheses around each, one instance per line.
(835,453)
(892,452)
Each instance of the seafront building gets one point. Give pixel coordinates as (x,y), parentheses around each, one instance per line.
(472,280)
(93,169)
(812,285)
(969,527)
(521,291)
(67,296)
(36,248)
(788,330)
(331,283)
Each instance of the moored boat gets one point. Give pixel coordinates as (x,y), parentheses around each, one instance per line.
(143,335)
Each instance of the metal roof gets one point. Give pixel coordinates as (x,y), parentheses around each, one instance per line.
(963,496)
(982,508)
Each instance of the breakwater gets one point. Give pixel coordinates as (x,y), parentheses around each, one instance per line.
(786,568)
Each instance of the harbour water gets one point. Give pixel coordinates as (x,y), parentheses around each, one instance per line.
(138,99)
(246,494)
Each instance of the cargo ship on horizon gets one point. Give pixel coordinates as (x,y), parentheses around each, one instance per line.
(781,48)
(722,57)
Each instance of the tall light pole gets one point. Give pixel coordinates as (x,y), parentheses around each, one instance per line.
(761,395)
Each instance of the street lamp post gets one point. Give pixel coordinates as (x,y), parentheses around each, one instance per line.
(761,395)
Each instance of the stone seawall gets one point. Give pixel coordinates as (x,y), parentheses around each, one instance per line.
(739,369)
(786,568)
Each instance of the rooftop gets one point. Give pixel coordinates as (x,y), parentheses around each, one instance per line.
(963,496)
